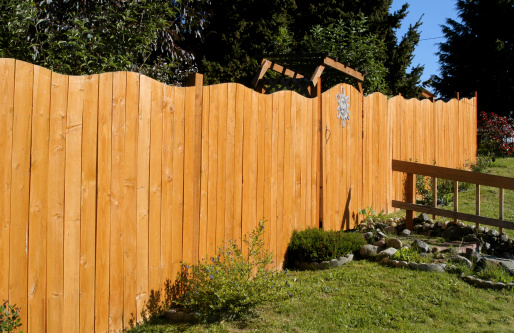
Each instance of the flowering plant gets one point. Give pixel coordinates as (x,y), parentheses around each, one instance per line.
(496,133)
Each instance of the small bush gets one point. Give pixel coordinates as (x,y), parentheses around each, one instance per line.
(9,317)
(315,245)
(410,255)
(229,285)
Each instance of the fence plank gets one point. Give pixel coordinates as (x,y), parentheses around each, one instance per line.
(190,175)
(280,177)
(222,142)
(261,120)
(204,175)
(55,228)
(268,124)
(72,199)
(213,171)
(129,211)
(20,174)
(238,162)
(103,213)
(230,162)
(116,243)
(38,199)
(7,80)
(273,219)
(88,205)
(178,180)
(168,130)
(143,188)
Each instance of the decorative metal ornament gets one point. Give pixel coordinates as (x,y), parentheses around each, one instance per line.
(343,110)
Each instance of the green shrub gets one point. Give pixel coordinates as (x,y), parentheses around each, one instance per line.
(314,244)
(9,317)
(229,285)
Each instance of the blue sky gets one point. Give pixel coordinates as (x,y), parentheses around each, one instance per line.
(435,14)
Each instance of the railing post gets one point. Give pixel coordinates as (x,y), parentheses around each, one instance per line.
(434,194)
(456,198)
(501,208)
(477,203)
(410,194)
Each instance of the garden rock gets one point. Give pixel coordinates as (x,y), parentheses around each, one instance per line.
(381,235)
(463,260)
(381,243)
(368,235)
(504,238)
(368,250)
(390,230)
(493,233)
(394,242)
(387,253)
(405,232)
(452,233)
(420,246)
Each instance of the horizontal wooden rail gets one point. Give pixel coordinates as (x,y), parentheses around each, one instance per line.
(456,175)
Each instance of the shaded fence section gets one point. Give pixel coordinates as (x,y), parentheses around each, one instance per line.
(109,181)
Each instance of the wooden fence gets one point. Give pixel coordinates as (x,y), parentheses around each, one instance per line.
(109,181)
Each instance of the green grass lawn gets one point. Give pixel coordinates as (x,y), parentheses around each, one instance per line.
(367,297)
(364,296)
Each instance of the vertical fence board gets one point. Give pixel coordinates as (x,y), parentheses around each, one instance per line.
(213,171)
(38,199)
(280,177)
(130,200)
(143,188)
(103,213)
(190,175)
(20,173)
(88,205)
(238,162)
(273,219)
(298,222)
(204,175)
(268,124)
(7,81)
(167,181)
(222,148)
(229,162)
(154,226)
(178,180)
(116,245)
(261,119)
(72,200)
(55,228)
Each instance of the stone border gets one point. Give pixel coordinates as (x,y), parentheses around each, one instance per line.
(442,268)
(432,267)
(485,284)
(324,264)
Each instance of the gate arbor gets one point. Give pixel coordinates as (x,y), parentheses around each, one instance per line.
(302,73)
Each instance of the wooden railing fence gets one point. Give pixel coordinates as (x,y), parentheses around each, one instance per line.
(413,169)
(109,181)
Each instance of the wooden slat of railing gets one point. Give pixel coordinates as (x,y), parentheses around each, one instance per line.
(454,174)
(453,214)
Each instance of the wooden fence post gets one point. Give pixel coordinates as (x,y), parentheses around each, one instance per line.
(410,194)
(319,185)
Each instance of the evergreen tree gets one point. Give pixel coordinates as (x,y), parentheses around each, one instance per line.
(478,54)
(239,33)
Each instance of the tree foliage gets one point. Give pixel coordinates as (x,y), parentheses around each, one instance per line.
(85,37)
(240,32)
(352,44)
(477,54)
